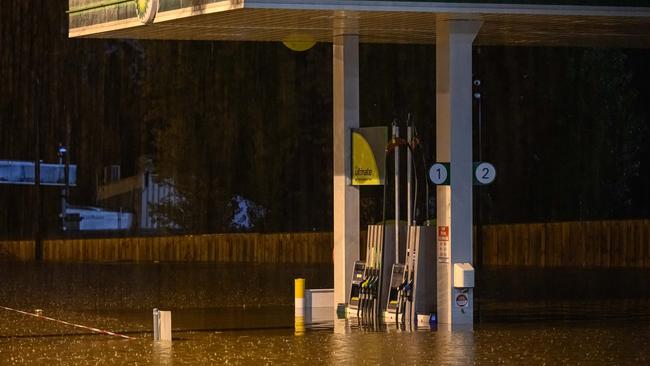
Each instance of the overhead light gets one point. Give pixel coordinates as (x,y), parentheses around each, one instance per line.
(299,42)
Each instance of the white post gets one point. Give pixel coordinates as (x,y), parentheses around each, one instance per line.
(156,325)
(454,39)
(166,326)
(162,325)
(396,183)
(346,196)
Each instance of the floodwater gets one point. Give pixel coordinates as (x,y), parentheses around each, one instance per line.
(575,343)
(525,316)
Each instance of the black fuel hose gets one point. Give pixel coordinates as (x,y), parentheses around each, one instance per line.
(390,148)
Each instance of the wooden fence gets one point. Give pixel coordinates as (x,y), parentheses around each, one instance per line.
(19,250)
(253,248)
(572,244)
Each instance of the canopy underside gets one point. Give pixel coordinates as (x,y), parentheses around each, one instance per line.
(249,22)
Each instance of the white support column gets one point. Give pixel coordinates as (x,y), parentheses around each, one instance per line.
(346,196)
(454,39)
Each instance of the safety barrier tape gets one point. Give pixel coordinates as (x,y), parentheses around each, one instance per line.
(96,330)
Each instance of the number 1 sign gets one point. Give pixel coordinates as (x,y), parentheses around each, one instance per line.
(484,173)
(439,173)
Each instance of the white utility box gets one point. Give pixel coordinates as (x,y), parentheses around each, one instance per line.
(319,298)
(463,275)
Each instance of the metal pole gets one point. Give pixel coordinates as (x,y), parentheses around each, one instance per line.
(479,232)
(66,195)
(38,244)
(395,136)
(409,175)
(61,152)
(479,236)
(409,219)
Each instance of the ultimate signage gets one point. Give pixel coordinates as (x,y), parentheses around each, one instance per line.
(368,156)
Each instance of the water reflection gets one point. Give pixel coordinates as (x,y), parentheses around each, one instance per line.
(346,343)
(300,325)
(529,329)
(340,326)
(163,353)
(314,318)
(351,341)
(457,346)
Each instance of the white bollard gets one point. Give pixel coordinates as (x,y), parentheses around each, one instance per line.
(162,325)
(166,326)
(156,325)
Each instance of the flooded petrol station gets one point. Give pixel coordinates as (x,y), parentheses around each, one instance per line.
(406,289)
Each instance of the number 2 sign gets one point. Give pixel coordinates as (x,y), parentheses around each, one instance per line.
(484,173)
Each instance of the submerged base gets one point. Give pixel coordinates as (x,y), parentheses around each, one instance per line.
(424,321)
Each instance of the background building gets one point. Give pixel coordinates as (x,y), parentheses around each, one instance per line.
(138,194)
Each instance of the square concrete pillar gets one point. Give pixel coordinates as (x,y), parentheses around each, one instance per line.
(454,39)
(346,196)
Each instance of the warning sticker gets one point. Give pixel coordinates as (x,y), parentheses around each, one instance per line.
(443,233)
(443,252)
(462,300)
(443,244)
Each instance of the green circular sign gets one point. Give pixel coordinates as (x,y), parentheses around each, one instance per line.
(485,173)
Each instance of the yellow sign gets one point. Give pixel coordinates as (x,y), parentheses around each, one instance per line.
(299,42)
(368,146)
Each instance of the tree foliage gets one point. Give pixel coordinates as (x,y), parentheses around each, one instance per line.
(565,133)
(566,128)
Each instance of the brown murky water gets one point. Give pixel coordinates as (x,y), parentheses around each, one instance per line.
(588,318)
(536,343)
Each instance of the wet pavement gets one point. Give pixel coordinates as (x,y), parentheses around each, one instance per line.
(544,322)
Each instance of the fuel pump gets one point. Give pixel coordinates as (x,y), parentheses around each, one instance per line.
(412,296)
(397,280)
(370,282)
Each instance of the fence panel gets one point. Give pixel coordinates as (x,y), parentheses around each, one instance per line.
(575,244)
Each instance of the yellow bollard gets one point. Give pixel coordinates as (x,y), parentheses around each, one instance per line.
(299,286)
(299,310)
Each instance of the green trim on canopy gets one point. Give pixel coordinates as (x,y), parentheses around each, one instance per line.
(619,3)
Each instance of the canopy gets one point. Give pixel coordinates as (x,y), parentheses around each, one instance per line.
(623,23)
